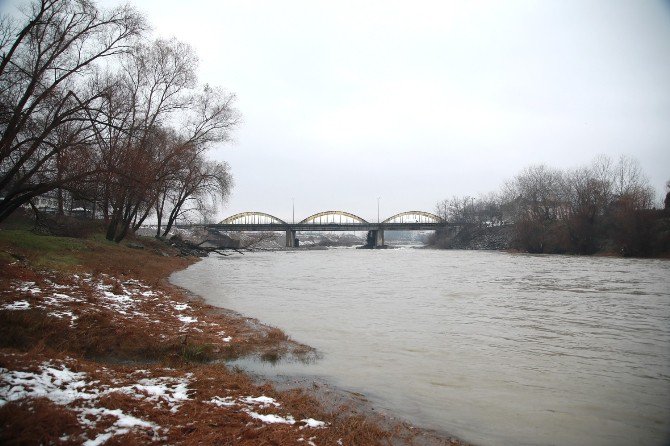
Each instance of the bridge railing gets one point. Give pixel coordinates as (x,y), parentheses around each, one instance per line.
(331,218)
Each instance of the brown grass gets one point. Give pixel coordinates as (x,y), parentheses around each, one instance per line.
(36,421)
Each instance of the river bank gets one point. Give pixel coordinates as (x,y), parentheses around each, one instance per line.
(647,236)
(96,347)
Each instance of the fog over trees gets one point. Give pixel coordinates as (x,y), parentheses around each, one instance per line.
(95,111)
(607,205)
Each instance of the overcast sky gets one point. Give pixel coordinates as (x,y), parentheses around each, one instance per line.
(416,101)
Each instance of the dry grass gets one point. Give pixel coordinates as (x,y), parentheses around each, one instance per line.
(196,421)
(155,334)
(35,421)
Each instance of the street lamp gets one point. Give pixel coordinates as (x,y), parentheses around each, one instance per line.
(293,207)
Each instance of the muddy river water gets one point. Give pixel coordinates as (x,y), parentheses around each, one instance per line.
(492,347)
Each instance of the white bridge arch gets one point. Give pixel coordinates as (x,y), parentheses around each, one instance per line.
(332,217)
(414,217)
(252,218)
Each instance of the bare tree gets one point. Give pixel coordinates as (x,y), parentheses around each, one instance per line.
(586,195)
(442,209)
(538,191)
(88,107)
(140,153)
(581,210)
(490,210)
(631,186)
(199,181)
(457,209)
(167,126)
(46,100)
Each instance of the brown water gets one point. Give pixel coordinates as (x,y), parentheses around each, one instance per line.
(495,348)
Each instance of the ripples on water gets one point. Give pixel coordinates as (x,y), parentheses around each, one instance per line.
(493,347)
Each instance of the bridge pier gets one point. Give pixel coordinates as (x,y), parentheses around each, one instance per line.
(376,238)
(291,239)
(379,239)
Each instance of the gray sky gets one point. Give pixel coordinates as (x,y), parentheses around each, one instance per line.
(413,102)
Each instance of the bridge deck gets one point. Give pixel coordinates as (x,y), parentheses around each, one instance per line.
(323,227)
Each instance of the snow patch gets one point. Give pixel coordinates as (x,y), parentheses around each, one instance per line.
(60,298)
(187,319)
(27,287)
(222,402)
(172,391)
(270,418)
(123,424)
(65,387)
(311,422)
(64,314)
(62,386)
(225,338)
(18,305)
(264,401)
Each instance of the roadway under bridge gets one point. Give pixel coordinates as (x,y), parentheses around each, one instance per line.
(330,221)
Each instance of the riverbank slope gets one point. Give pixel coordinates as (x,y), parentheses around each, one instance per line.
(645,233)
(96,347)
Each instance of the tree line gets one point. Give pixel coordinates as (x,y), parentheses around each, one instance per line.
(607,205)
(93,109)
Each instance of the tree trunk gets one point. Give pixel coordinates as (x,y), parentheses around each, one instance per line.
(139,222)
(173,217)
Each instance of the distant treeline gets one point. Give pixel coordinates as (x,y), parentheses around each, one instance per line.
(97,116)
(605,207)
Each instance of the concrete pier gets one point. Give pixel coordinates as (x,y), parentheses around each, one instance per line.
(291,239)
(376,238)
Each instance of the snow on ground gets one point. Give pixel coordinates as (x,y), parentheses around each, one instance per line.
(165,391)
(28,287)
(123,424)
(263,401)
(68,298)
(107,404)
(91,395)
(64,387)
(60,385)
(271,418)
(17,305)
(250,405)
(311,422)
(187,319)
(87,394)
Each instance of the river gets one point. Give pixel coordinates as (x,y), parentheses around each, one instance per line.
(492,347)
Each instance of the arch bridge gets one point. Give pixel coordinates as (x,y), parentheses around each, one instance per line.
(331,221)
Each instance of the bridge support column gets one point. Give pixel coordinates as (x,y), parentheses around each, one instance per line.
(379,239)
(375,238)
(291,239)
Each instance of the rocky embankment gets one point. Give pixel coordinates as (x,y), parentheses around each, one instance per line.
(471,237)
